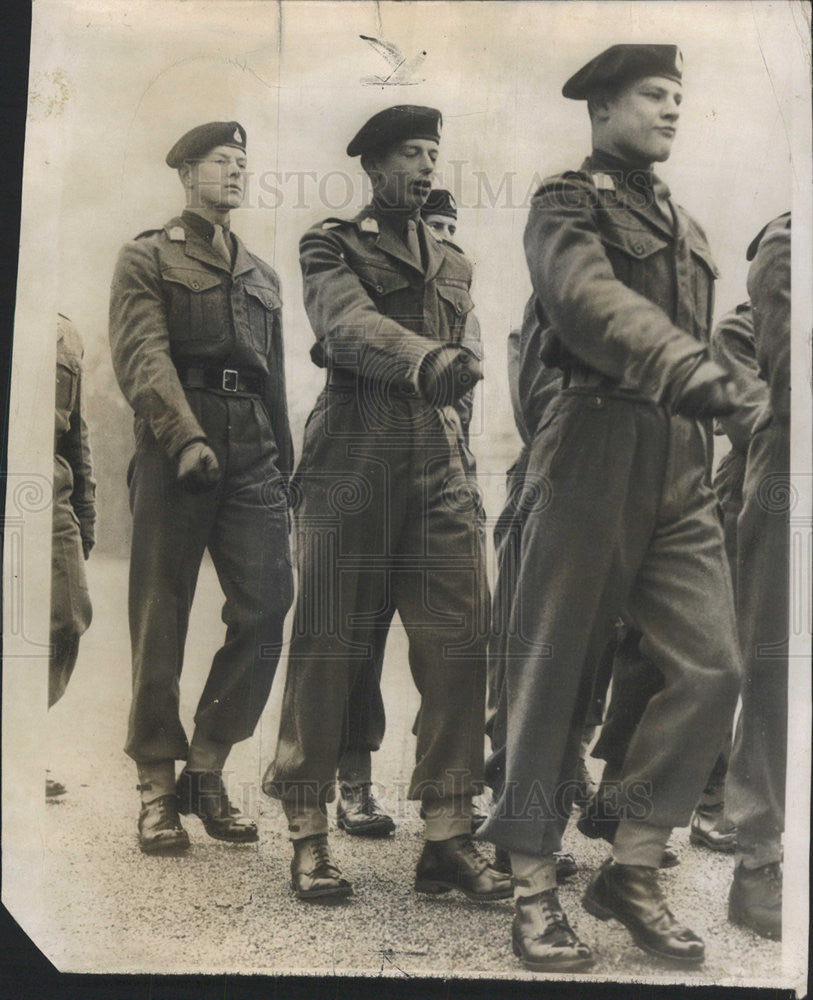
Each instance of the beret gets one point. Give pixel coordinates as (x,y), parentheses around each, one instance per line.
(782,221)
(622,64)
(199,140)
(440,202)
(394,125)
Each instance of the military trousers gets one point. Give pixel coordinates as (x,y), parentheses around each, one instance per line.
(623,520)
(386,521)
(755,789)
(243,522)
(71,610)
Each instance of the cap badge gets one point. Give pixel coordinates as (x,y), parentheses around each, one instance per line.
(678,60)
(237,135)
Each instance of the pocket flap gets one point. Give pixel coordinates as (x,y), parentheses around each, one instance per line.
(266,295)
(457,296)
(633,241)
(382,280)
(195,279)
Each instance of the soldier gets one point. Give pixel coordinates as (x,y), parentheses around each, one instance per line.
(755,791)
(74,520)
(623,280)
(439,212)
(195,333)
(358,812)
(385,516)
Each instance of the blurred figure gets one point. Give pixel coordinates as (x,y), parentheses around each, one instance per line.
(755,791)
(74,520)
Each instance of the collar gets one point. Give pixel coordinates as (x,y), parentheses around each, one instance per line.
(199,225)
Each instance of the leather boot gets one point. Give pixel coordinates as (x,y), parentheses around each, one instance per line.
(159,827)
(543,939)
(710,828)
(314,873)
(359,813)
(459,863)
(631,894)
(566,865)
(203,794)
(755,899)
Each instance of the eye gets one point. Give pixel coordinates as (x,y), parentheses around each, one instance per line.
(452,230)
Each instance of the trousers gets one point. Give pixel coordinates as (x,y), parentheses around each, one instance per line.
(386,521)
(71,610)
(243,522)
(624,520)
(755,789)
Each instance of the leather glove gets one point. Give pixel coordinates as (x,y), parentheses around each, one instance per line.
(449,373)
(707,392)
(198,470)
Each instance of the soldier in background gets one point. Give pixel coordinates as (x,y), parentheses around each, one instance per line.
(196,340)
(385,516)
(755,790)
(623,280)
(74,520)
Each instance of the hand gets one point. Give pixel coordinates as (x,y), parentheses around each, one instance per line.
(707,392)
(198,470)
(87,545)
(449,373)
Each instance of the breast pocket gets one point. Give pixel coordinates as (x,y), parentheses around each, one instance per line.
(391,291)
(455,304)
(263,305)
(67,380)
(197,306)
(639,258)
(704,274)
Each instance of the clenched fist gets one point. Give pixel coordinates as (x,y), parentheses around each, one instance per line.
(707,392)
(448,373)
(198,470)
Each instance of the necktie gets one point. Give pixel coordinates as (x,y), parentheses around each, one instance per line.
(412,241)
(220,245)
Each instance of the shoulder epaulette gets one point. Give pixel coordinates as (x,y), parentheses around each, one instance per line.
(602,181)
(334,223)
(147,232)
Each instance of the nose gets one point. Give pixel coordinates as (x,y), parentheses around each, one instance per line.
(671,110)
(427,164)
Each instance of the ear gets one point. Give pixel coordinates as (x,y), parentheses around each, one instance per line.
(599,105)
(185,174)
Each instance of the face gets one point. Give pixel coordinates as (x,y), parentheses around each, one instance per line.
(640,121)
(217,181)
(442,227)
(402,177)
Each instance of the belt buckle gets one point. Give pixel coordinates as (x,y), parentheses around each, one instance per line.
(229,382)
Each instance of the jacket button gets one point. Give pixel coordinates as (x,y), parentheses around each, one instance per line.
(195,284)
(379,288)
(638,248)
(459,308)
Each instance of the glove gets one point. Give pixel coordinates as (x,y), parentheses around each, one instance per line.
(87,545)
(198,470)
(449,373)
(707,392)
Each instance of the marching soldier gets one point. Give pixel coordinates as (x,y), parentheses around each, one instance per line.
(196,340)
(385,517)
(74,519)
(623,280)
(358,811)
(755,791)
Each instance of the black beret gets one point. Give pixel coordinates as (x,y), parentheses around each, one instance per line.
(199,140)
(622,64)
(394,125)
(439,202)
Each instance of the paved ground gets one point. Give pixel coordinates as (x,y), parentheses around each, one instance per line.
(228,908)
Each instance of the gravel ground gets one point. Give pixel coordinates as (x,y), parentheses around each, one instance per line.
(228,908)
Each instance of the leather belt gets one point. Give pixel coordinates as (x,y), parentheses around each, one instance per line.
(224,379)
(337,378)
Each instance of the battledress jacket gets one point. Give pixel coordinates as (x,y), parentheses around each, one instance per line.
(173,301)
(375,313)
(618,289)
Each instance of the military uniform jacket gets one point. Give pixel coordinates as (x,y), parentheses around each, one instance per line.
(375,312)
(71,439)
(619,289)
(174,300)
